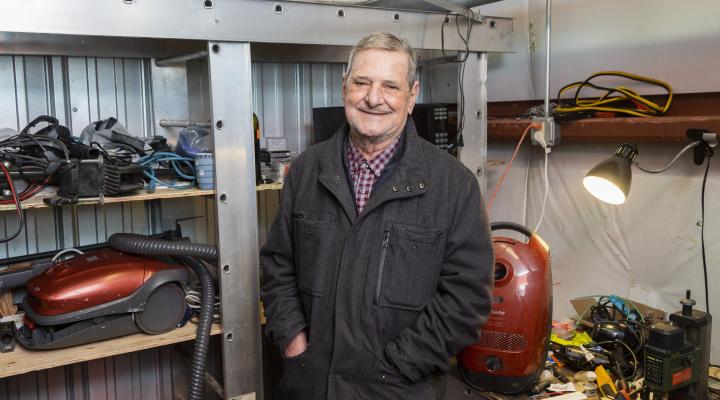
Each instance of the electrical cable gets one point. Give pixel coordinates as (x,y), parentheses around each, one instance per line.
(16,200)
(149,162)
(193,298)
(461,79)
(63,252)
(547,191)
(702,231)
(461,72)
(626,102)
(671,163)
(29,192)
(38,154)
(635,360)
(507,168)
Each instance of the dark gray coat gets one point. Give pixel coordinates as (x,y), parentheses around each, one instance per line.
(387,296)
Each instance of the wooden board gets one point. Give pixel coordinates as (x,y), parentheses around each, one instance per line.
(21,360)
(269,186)
(37,202)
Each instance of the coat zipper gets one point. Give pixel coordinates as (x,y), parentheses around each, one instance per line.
(383,253)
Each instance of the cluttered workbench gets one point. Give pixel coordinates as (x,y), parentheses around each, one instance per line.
(614,349)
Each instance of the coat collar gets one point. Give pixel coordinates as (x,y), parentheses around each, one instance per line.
(407,173)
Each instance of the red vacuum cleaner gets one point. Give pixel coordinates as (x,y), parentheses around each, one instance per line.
(100,295)
(133,287)
(514,341)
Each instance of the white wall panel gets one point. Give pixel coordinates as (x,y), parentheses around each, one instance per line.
(675,41)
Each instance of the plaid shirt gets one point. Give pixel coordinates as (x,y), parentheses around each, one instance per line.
(365,173)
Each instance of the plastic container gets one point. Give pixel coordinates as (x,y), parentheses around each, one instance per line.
(205,170)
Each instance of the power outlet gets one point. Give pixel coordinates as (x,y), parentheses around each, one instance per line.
(549,130)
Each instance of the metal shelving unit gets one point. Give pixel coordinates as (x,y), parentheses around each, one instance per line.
(231,34)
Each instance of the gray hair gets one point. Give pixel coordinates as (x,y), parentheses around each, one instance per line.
(389,42)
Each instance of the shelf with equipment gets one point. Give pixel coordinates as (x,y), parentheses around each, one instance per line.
(21,361)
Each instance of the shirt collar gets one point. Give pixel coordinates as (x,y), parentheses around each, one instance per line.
(378,164)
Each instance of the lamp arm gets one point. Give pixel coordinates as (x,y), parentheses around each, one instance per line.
(657,171)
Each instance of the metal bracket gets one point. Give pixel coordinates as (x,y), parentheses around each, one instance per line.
(550,132)
(457,9)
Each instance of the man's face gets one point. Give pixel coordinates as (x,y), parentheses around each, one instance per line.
(377,95)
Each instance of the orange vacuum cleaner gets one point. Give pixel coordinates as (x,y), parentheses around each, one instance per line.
(514,341)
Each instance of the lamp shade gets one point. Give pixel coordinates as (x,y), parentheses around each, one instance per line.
(610,180)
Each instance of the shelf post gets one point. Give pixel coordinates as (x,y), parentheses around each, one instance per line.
(474,154)
(238,267)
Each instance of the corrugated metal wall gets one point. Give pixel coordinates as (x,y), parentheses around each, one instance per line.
(285,94)
(79,90)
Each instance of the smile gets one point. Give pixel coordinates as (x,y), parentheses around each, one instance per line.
(376,112)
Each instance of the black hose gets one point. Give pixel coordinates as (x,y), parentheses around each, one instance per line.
(202,342)
(141,244)
(185,251)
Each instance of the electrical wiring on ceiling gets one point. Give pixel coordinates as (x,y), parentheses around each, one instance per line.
(620,99)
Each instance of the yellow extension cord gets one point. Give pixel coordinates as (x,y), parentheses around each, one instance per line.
(605,102)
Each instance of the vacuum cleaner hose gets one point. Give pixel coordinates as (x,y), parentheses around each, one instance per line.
(202,342)
(185,251)
(141,244)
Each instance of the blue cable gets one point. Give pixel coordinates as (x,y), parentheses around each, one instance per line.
(147,162)
(632,315)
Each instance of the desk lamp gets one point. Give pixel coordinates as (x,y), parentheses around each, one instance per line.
(610,180)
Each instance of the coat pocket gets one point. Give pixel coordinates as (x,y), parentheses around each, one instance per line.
(297,377)
(313,251)
(409,265)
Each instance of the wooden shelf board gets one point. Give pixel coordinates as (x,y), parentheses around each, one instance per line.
(21,360)
(37,202)
(646,129)
(269,186)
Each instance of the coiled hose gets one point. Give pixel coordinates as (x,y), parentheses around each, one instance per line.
(184,251)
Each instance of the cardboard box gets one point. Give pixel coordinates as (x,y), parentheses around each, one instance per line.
(582,308)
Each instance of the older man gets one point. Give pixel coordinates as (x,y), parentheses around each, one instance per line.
(378,267)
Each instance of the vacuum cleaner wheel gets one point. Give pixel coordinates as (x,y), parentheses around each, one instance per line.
(163,311)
